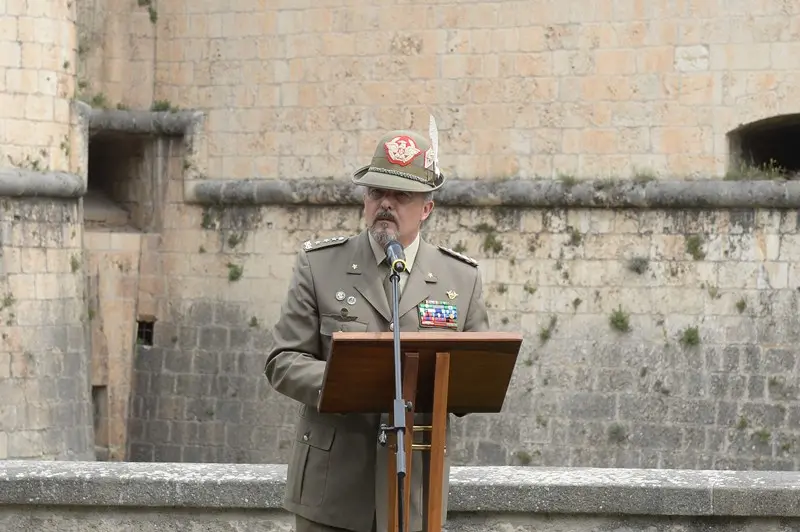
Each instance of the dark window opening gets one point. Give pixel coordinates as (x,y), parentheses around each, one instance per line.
(127,175)
(100,416)
(115,164)
(144,332)
(766,148)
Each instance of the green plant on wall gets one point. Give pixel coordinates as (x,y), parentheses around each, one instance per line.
(620,320)
(694,247)
(768,171)
(546,332)
(151,10)
(638,264)
(491,242)
(235,272)
(690,336)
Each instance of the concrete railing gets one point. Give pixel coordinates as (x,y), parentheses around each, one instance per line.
(145,497)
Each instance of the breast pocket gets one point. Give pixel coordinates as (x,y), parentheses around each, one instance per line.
(331,324)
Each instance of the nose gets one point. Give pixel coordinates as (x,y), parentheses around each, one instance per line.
(386,202)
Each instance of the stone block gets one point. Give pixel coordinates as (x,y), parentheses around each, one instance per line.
(214,338)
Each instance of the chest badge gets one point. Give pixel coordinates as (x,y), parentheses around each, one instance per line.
(438,314)
(452,294)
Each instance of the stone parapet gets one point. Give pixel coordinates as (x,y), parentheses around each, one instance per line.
(474,490)
(25,183)
(519,193)
(168,123)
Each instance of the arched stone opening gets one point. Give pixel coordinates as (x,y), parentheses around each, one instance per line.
(768,147)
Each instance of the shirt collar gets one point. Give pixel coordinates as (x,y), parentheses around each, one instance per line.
(410,251)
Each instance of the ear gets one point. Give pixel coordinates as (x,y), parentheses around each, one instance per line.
(427,209)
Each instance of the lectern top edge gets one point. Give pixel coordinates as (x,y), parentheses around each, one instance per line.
(437,337)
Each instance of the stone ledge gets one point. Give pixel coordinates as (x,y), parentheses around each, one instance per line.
(473,489)
(520,193)
(19,182)
(172,123)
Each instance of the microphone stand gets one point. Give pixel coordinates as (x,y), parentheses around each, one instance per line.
(399,406)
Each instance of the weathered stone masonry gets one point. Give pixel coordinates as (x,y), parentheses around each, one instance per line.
(171,497)
(46,409)
(657,316)
(45,398)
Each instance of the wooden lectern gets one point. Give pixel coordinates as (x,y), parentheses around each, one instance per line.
(442,372)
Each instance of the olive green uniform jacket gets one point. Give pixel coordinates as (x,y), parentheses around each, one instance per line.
(337,473)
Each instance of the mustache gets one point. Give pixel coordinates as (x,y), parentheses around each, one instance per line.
(385,215)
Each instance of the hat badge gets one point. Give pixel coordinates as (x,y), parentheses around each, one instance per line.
(401,150)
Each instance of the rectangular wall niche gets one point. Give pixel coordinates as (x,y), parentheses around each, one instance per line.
(126,181)
(144,332)
(100,407)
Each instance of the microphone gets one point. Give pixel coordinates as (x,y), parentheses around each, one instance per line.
(396,256)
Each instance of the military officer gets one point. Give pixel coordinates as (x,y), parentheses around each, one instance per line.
(337,473)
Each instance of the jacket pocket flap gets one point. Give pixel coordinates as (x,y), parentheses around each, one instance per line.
(329,325)
(317,435)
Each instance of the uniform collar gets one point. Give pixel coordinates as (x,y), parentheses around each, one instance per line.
(410,251)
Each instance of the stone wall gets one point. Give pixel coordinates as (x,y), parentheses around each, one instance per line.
(654,337)
(200,391)
(45,408)
(37,47)
(658,334)
(116,52)
(555,88)
(217,497)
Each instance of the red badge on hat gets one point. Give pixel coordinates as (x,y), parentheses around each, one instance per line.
(401,150)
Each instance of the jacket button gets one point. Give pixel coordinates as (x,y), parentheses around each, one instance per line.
(391,326)
(305,436)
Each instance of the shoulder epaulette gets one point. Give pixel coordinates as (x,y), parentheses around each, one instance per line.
(459,256)
(313,245)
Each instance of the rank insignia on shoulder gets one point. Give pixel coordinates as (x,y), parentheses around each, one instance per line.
(456,254)
(311,245)
(438,314)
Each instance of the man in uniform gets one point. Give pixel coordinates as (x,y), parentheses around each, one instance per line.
(337,474)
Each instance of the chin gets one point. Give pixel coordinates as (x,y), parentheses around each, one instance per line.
(382,234)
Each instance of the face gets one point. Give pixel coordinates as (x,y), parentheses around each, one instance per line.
(391,214)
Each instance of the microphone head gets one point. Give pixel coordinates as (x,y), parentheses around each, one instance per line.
(396,256)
